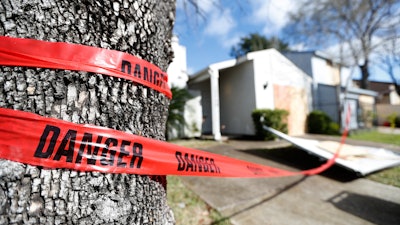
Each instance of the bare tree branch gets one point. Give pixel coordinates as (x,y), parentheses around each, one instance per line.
(351,23)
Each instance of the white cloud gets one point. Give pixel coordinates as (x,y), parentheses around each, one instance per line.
(214,19)
(220,23)
(232,40)
(204,6)
(190,70)
(272,15)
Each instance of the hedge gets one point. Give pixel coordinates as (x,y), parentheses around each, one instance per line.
(272,118)
(319,122)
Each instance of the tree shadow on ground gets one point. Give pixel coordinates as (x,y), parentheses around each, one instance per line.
(298,159)
(262,201)
(369,208)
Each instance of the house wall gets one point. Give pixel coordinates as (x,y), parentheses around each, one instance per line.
(385,110)
(301,60)
(237,99)
(336,71)
(346,74)
(294,100)
(288,88)
(328,101)
(204,88)
(324,72)
(193,115)
(177,69)
(367,110)
(394,97)
(263,82)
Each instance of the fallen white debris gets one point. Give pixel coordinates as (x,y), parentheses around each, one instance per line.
(361,159)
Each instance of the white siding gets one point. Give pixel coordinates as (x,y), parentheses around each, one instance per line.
(263,68)
(322,72)
(346,75)
(193,115)
(177,74)
(204,88)
(237,99)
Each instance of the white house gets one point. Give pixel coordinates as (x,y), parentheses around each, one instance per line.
(232,89)
(177,69)
(178,77)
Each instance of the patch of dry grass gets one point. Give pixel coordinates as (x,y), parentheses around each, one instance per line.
(188,208)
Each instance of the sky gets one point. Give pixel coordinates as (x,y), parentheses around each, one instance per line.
(209,35)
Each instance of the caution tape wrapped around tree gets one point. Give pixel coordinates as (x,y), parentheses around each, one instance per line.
(54,143)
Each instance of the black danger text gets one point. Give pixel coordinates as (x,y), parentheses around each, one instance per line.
(88,149)
(142,72)
(196,163)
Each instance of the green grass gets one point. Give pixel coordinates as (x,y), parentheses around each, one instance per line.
(389,176)
(375,136)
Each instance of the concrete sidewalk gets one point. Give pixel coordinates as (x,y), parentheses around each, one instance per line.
(335,197)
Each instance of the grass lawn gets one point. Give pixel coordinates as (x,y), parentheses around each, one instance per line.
(389,176)
(375,136)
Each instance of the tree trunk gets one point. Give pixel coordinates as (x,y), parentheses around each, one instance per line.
(35,195)
(394,80)
(364,75)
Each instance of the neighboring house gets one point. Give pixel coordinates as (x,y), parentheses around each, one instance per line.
(178,77)
(332,90)
(232,89)
(388,101)
(386,92)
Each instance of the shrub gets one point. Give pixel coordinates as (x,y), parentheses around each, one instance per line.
(175,118)
(334,128)
(394,120)
(319,122)
(397,121)
(272,118)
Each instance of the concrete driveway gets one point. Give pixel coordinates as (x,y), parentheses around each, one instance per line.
(337,196)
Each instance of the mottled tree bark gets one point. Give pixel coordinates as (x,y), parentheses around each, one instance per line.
(35,195)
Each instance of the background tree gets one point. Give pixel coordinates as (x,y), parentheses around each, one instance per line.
(389,60)
(36,195)
(254,42)
(176,108)
(357,27)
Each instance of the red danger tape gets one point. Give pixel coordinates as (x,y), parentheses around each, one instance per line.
(53,143)
(60,55)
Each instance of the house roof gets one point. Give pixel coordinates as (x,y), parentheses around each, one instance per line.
(319,54)
(204,74)
(362,91)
